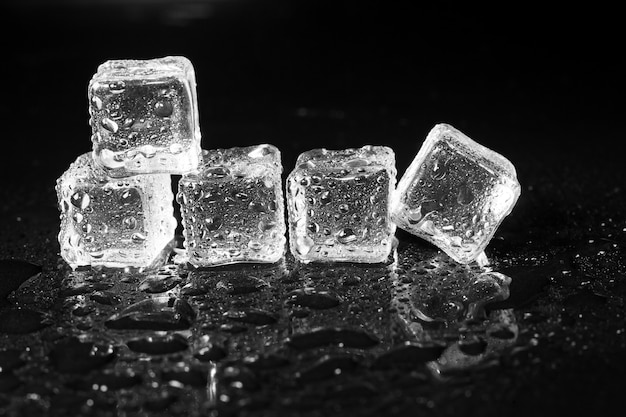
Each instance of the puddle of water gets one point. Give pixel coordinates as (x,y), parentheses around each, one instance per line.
(284,337)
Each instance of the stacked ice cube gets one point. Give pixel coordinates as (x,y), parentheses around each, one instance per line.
(116,202)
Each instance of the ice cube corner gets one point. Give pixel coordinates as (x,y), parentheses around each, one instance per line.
(455,193)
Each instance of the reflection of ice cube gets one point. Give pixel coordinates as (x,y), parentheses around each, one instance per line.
(232,207)
(455,193)
(124,222)
(440,301)
(338,203)
(144,116)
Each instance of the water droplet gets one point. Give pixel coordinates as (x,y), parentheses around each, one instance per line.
(80,199)
(255,246)
(257,206)
(344,208)
(346,235)
(241,285)
(465,195)
(96,102)
(163,108)
(159,313)
(318,300)
(138,237)
(129,196)
(213,223)
(117,87)
(109,125)
(77,217)
(105,298)
(159,284)
(129,223)
(254,316)
(86,227)
(440,169)
(325,198)
(115,114)
(354,338)
(260,151)
(313,227)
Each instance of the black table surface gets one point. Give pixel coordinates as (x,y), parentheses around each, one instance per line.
(542,87)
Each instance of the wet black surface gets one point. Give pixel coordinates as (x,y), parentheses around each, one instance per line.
(419,335)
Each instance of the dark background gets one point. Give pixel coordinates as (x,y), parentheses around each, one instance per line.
(521,79)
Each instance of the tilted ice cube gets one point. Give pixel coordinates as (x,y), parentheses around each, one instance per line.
(144,116)
(123,222)
(338,204)
(232,207)
(455,193)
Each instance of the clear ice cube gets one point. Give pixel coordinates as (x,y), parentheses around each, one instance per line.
(455,193)
(338,205)
(144,116)
(113,222)
(232,207)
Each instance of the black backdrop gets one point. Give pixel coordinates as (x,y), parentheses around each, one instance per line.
(304,74)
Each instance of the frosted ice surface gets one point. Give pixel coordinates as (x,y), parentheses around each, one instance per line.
(123,222)
(144,116)
(338,205)
(455,193)
(232,207)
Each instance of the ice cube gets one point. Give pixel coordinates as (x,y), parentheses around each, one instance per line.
(113,222)
(455,193)
(338,204)
(144,116)
(232,207)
